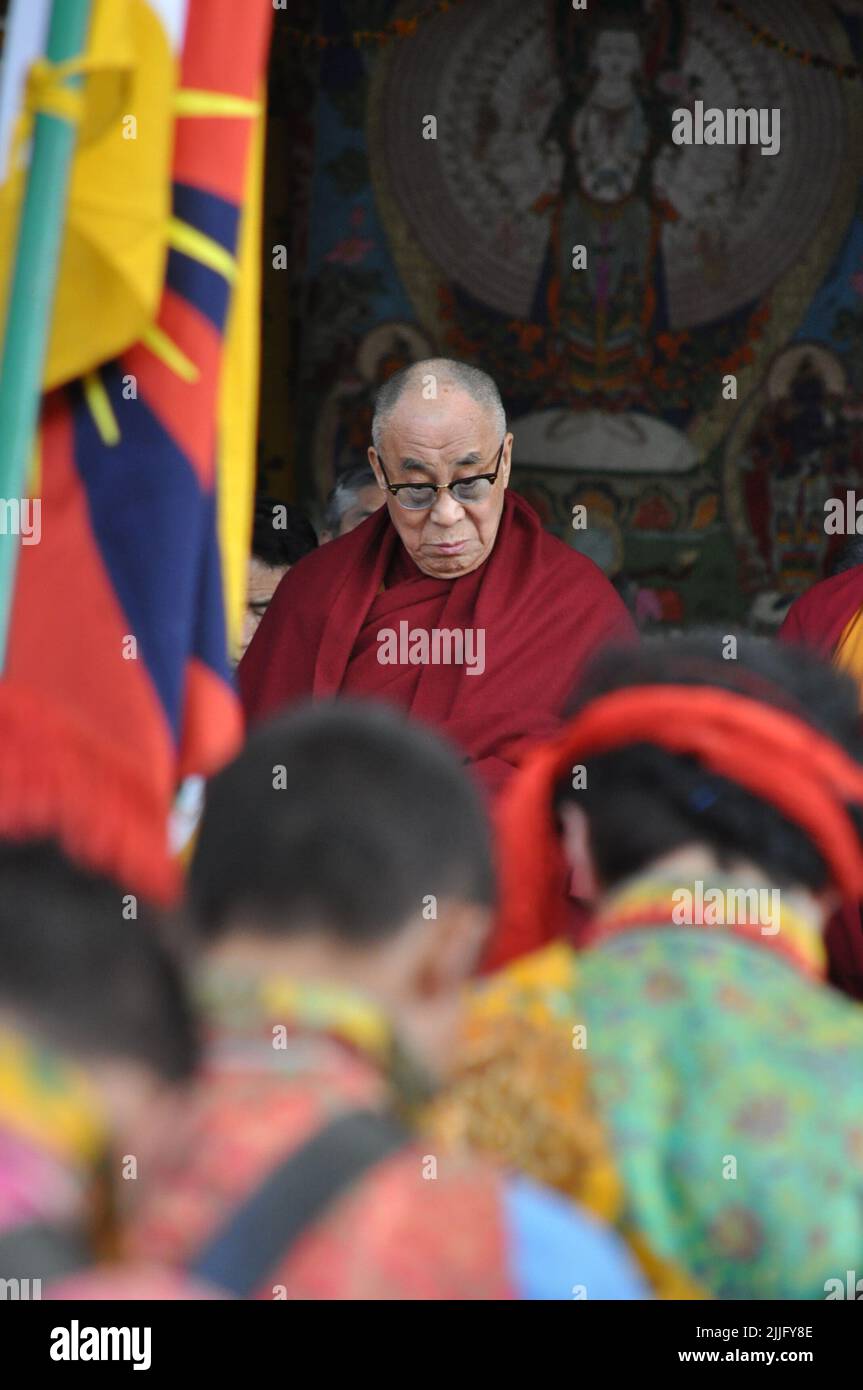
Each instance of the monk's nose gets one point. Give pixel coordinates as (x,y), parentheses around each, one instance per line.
(446,510)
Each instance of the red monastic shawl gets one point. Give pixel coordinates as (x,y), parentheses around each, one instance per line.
(543,607)
(819,617)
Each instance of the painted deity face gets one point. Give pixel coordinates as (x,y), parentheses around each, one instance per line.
(617,54)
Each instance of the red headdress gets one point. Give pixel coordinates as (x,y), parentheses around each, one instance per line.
(770,752)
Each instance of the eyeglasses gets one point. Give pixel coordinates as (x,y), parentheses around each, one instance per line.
(418,497)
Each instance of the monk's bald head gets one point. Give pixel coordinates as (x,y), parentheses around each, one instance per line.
(442,453)
(436,379)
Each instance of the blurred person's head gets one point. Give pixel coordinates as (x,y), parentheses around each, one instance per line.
(645,807)
(83,971)
(436,423)
(356,495)
(281,536)
(850,555)
(346,845)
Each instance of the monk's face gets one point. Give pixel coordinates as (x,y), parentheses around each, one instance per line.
(440,441)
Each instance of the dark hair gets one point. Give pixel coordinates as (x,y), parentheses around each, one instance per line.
(80,975)
(278,546)
(850,554)
(642,801)
(345,491)
(341,817)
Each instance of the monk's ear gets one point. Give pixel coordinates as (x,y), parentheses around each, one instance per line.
(579,852)
(451,947)
(506,462)
(375,466)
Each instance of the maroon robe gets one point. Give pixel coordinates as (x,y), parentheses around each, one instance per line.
(544,610)
(817,619)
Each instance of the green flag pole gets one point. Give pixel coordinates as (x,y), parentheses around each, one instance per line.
(31,293)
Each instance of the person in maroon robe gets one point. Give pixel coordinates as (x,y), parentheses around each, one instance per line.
(828,619)
(451,602)
(819,618)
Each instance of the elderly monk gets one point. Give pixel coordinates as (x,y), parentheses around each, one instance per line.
(451,602)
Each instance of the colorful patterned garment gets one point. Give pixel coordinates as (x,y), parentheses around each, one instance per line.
(712,1109)
(55,1193)
(282,1060)
(51,1145)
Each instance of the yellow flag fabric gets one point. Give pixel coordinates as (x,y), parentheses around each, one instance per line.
(115,240)
(238,397)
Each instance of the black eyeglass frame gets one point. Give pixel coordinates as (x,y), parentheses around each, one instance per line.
(396,488)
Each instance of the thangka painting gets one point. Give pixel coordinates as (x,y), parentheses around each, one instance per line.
(675,327)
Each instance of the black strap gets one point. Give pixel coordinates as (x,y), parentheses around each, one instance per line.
(260,1233)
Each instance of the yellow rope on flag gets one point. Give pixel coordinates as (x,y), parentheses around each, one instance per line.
(192,101)
(192,242)
(47,94)
(167,351)
(100,408)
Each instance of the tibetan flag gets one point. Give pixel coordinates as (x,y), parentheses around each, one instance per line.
(112,262)
(117,681)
